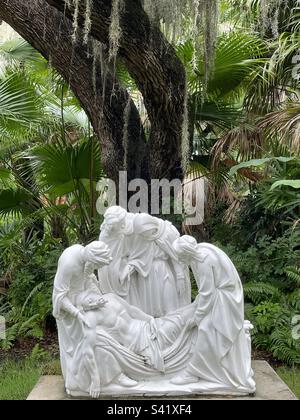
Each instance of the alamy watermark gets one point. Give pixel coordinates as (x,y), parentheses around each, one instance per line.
(166,197)
(2,328)
(296,327)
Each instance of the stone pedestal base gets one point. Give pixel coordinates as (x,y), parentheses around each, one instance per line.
(269,387)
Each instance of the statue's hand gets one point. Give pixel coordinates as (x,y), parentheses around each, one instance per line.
(95,390)
(126,274)
(153,329)
(194,322)
(102,302)
(181,286)
(131,269)
(82,318)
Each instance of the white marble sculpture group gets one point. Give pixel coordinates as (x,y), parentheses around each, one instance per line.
(133,329)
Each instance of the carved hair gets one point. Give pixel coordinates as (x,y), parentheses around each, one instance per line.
(115,214)
(148,226)
(96,252)
(188,246)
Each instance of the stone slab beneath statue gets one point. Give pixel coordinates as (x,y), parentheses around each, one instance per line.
(269,387)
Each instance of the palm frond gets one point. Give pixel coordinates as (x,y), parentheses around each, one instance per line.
(19,103)
(18,50)
(284,123)
(245,138)
(14,202)
(61,167)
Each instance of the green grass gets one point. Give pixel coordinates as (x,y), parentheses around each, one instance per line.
(17,379)
(292,378)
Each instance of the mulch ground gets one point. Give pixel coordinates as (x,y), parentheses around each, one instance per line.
(23,348)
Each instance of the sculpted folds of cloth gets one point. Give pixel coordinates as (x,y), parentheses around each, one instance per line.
(134,330)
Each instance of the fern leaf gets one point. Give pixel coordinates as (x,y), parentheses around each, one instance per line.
(259,292)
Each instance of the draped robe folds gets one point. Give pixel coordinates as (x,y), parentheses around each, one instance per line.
(175,342)
(222,354)
(68,284)
(112,358)
(111,275)
(154,284)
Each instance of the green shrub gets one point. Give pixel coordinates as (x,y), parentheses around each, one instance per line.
(271,276)
(27,304)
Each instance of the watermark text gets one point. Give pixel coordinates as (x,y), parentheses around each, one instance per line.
(158,197)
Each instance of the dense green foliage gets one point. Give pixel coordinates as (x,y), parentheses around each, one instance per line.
(271,277)
(243,138)
(50,163)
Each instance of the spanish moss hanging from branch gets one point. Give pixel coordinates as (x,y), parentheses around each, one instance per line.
(87,20)
(126,117)
(195,32)
(115,30)
(68,3)
(97,58)
(185,141)
(75,20)
(209,15)
(269,12)
(173,16)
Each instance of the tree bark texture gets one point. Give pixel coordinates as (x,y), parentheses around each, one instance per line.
(150,60)
(47,30)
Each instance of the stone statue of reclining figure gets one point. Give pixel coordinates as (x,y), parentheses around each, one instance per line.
(107,344)
(127,326)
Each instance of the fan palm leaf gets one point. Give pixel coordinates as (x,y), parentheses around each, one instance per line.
(19,103)
(15,202)
(238,56)
(17,50)
(61,167)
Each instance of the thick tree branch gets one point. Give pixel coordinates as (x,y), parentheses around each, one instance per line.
(50,32)
(159,75)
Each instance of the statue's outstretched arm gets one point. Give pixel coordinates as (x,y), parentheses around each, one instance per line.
(90,360)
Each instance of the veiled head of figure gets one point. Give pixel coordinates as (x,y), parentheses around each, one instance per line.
(185,248)
(115,219)
(98,254)
(147,226)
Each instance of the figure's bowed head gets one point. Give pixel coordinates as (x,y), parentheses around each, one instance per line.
(185,249)
(98,254)
(115,220)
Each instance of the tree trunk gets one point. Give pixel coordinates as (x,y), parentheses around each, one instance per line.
(150,60)
(47,30)
(158,73)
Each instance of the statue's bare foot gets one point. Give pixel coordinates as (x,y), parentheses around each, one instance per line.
(123,380)
(184,379)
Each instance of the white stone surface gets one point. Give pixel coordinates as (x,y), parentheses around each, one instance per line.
(145,270)
(269,387)
(111,344)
